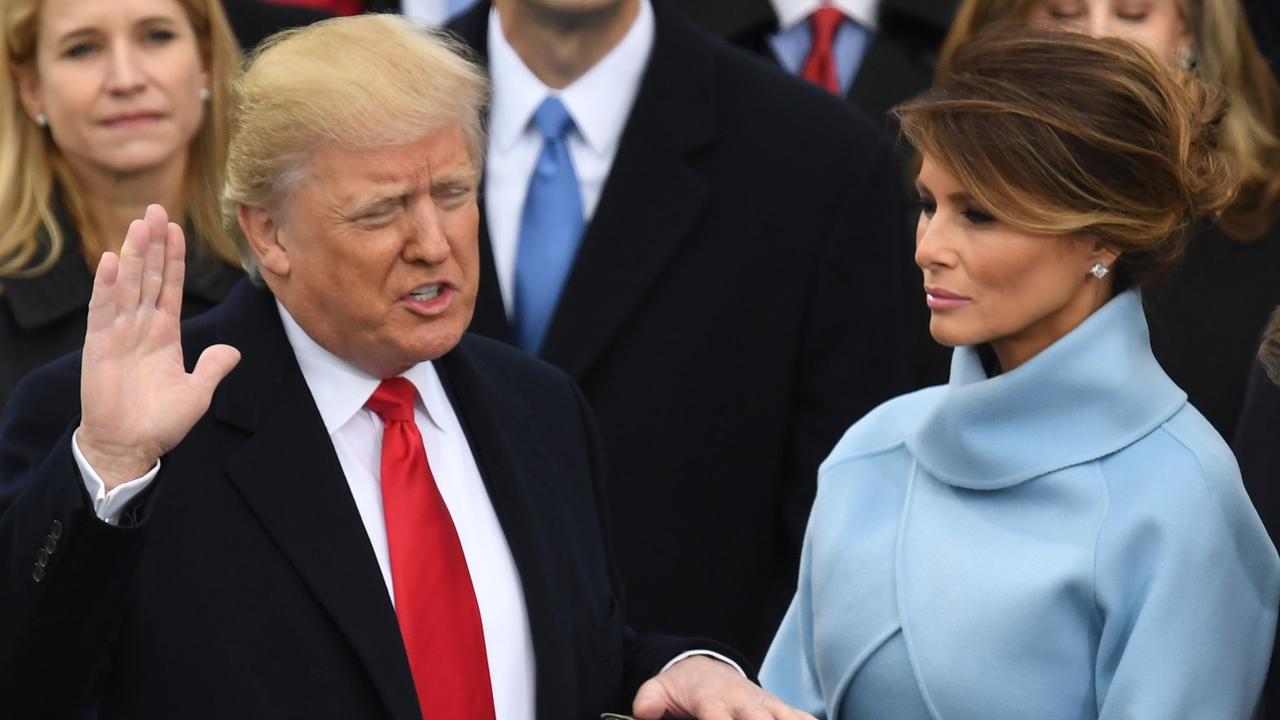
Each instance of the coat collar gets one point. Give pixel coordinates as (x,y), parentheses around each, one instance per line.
(64,289)
(1095,391)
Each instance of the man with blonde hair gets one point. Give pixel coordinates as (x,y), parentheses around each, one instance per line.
(345,507)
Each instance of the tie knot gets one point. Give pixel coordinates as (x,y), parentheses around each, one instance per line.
(825,21)
(393,400)
(553,120)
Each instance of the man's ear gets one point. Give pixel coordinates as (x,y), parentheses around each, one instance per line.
(265,239)
(27,81)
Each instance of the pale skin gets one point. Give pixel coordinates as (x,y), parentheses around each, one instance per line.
(118,82)
(1016,290)
(560,40)
(138,402)
(1156,24)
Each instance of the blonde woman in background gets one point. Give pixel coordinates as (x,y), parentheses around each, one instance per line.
(106,106)
(1205,318)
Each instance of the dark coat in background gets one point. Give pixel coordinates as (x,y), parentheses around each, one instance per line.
(255,20)
(43,318)
(1204,319)
(899,62)
(734,306)
(243,584)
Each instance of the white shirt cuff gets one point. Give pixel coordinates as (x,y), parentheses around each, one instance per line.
(708,653)
(109,506)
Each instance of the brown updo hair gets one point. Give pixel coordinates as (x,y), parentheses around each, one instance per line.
(1061,133)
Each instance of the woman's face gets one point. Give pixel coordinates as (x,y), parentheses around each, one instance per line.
(119,82)
(1157,24)
(987,282)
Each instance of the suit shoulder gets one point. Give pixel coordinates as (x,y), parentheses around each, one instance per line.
(884,428)
(508,365)
(778,101)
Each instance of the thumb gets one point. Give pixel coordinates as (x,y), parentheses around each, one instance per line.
(652,701)
(214,364)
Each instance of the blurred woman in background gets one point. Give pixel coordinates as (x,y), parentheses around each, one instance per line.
(1204,319)
(1057,533)
(106,106)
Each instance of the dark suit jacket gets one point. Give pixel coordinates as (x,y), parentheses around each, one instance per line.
(1257,447)
(245,585)
(1205,317)
(43,318)
(255,20)
(733,308)
(899,62)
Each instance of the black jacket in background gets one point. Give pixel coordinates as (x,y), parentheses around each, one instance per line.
(43,318)
(735,304)
(1204,319)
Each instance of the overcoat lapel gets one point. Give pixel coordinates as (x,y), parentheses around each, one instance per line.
(510,466)
(289,475)
(649,206)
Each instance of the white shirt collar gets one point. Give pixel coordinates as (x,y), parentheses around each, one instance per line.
(341,389)
(793,12)
(599,101)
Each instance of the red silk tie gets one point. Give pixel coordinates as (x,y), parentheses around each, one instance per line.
(435,601)
(820,67)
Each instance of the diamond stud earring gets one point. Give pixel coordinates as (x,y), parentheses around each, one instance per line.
(204,94)
(1099,270)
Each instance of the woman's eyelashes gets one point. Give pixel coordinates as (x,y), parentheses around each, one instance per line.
(929,206)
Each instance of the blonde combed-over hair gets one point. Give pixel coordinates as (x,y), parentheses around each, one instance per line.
(359,82)
(32,165)
(1228,56)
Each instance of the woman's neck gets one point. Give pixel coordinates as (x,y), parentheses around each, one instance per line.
(112,200)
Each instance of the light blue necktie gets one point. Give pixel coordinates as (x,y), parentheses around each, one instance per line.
(550,228)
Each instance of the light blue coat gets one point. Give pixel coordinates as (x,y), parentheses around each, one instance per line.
(1068,540)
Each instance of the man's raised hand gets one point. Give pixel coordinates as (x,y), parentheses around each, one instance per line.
(137,400)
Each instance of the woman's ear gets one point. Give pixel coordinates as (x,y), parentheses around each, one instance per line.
(27,82)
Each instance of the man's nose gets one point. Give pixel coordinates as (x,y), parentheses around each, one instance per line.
(427,240)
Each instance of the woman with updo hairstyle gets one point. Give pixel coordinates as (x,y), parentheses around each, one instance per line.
(106,106)
(1204,318)
(1056,533)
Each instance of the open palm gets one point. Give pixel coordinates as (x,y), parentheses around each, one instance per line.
(137,399)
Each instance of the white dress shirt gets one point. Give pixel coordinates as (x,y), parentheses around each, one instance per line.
(793,12)
(340,393)
(599,103)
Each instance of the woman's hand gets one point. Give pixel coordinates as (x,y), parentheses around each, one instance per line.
(137,400)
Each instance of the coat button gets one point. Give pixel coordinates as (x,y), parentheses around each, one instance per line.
(51,544)
(43,558)
(56,530)
(37,573)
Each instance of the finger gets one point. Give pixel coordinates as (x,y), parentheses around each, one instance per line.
(102,303)
(153,263)
(129,278)
(175,271)
(651,701)
(783,711)
(214,364)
